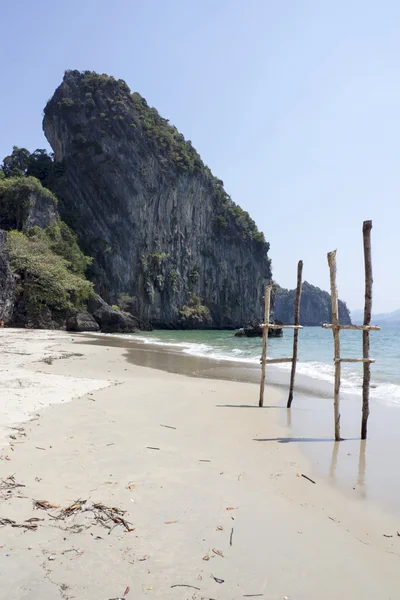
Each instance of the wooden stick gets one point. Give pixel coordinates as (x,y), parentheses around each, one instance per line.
(367,226)
(296,331)
(274,326)
(267,302)
(355,360)
(272,361)
(353,327)
(336,339)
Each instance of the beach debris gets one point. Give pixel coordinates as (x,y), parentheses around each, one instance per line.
(31,526)
(230,539)
(232,508)
(388,535)
(185,585)
(131,486)
(43,505)
(218,552)
(204,460)
(51,558)
(217,579)
(152,448)
(308,478)
(398,533)
(33,520)
(7,486)
(122,597)
(104,514)
(255,595)
(76,506)
(170,522)
(220,528)
(168,426)
(39,448)
(206,556)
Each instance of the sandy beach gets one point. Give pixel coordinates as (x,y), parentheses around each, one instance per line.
(175,487)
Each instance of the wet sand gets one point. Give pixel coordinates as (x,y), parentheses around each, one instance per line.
(367,470)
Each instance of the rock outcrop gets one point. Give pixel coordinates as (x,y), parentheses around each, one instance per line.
(7,281)
(315,306)
(82,321)
(111,320)
(25,203)
(160,228)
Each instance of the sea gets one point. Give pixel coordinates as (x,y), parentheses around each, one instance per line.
(315,354)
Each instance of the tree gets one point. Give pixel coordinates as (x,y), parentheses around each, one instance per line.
(16,164)
(40,165)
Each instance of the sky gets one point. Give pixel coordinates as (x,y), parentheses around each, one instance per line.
(294,104)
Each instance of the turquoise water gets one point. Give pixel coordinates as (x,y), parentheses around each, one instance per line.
(315,354)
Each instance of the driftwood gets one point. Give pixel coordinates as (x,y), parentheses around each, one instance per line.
(267,302)
(367,226)
(336,340)
(296,331)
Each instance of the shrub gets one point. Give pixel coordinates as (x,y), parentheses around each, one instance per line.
(195,313)
(64,243)
(45,276)
(67,103)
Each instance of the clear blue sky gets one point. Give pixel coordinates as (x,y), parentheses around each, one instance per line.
(295,105)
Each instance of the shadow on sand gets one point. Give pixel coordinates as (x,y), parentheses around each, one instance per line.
(247,406)
(288,440)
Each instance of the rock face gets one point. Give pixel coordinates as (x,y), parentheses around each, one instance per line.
(24,203)
(42,212)
(82,322)
(161,229)
(315,306)
(7,282)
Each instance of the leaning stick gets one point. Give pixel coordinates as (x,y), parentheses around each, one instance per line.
(296,331)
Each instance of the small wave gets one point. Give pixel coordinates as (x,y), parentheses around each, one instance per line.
(351,382)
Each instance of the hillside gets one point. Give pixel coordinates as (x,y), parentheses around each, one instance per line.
(315,306)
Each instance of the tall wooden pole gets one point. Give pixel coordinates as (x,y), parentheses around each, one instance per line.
(267,303)
(367,226)
(296,331)
(336,340)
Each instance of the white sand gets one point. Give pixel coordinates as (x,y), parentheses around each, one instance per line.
(291,538)
(23,392)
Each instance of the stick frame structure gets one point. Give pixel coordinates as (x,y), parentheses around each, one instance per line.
(366,328)
(296,331)
(266,326)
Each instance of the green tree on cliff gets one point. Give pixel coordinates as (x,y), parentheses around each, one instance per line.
(16,164)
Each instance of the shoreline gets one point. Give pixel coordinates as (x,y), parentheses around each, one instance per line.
(192,448)
(365,470)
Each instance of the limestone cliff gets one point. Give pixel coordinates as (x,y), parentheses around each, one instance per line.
(315,306)
(164,235)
